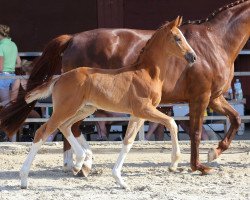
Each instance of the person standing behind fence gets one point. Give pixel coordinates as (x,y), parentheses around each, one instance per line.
(9,59)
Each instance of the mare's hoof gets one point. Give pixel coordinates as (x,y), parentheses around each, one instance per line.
(207,171)
(212,155)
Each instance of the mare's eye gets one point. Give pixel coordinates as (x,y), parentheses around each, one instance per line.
(177,39)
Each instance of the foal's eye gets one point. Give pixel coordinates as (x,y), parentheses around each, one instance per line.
(177,39)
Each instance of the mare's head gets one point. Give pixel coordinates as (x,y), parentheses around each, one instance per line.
(177,43)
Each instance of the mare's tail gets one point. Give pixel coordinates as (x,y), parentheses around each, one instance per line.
(50,63)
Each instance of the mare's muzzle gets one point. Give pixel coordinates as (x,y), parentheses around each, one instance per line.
(190,58)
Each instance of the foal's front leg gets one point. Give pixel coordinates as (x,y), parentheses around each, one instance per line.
(133,127)
(152,114)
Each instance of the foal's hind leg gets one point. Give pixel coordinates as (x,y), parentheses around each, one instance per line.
(67,150)
(220,105)
(133,127)
(41,136)
(66,129)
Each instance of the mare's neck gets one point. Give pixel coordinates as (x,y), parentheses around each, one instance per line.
(233,28)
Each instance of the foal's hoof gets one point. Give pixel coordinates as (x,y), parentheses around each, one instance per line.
(67,168)
(172,169)
(122,185)
(75,170)
(85,170)
(126,187)
(212,155)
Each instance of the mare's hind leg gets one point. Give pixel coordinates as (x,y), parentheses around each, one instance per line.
(66,129)
(41,136)
(133,127)
(220,105)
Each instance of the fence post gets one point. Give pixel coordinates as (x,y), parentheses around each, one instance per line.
(141,133)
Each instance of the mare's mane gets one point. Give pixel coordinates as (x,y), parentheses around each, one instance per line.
(210,17)
(216,12)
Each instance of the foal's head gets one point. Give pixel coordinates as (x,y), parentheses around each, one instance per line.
(176,43)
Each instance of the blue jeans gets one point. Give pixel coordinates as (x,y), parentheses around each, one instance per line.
(6,83)
(5,87)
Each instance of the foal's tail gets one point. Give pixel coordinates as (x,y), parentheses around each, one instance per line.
(41,91)
(49,64)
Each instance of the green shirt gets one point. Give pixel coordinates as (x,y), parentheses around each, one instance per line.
(8,50)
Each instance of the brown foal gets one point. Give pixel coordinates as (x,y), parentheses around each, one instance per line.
(135,90)
(217,41)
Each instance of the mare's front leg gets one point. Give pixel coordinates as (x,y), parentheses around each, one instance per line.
(197,107)
(221,105)
(132,130)
(41,136)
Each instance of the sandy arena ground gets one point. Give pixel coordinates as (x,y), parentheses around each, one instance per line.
(145,171)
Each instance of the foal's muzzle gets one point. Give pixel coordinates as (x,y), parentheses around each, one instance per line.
(190,58)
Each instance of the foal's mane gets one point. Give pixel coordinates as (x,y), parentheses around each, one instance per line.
(216,12)
(157,33)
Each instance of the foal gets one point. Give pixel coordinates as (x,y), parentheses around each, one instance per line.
(135,90)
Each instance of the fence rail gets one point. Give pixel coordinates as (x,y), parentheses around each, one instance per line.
(141,132)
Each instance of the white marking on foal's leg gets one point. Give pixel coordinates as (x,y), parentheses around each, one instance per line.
(176,153)
(24,172)
(80,153)
(82,141)
(116,172)
(68,160)
(89,155)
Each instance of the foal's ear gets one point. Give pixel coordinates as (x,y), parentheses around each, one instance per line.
(178,21)
(175,23)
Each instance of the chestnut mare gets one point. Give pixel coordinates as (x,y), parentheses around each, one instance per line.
(135,89)
(216,40)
